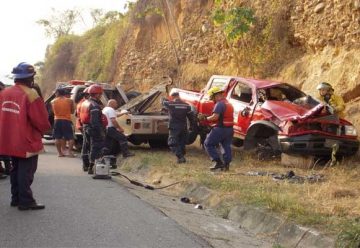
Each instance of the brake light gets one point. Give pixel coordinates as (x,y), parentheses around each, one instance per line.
(77,82)
(137,125)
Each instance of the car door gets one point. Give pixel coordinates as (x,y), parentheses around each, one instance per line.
(241,97)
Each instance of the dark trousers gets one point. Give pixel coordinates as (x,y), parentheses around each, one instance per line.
(96,144)
(219,136)
(85,150)
(112,134)
(21,178)
(177,141)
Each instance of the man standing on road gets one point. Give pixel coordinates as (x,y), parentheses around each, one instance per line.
(92,119)
(85,149)
(5,159)
(327,96)
(23,120)
(63,107)
(222,131)
(114,131)
(179,112)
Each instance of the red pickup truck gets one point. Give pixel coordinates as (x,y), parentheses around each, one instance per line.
(276,115)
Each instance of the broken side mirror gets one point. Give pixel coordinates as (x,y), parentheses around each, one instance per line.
(245,112)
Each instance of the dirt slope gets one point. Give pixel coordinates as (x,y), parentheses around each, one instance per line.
(313,41)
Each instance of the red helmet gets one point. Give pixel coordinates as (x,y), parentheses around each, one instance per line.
(95,89)
(86,91)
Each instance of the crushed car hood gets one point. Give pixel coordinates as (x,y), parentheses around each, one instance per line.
(285,111)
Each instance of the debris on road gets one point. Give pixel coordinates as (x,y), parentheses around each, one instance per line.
(289,176)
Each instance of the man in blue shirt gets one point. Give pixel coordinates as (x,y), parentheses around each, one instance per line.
(179,112)
(221,134)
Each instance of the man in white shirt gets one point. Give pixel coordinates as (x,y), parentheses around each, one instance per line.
(113,130)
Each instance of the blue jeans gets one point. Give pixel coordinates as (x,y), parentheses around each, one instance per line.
(219,136)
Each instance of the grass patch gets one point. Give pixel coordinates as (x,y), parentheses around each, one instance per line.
(349,236)
(328,206)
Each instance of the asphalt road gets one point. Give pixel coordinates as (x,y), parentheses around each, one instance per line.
(83,212)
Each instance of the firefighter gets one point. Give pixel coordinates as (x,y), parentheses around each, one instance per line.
(327,96)
(93,123)
(179,112)
(23,121)
(222,131)
(81,109)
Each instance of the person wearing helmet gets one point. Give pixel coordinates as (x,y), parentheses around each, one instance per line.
(93,123)
(222,121)
(63,107)
(327,96)
(85,149)
(179,112)
(23,121)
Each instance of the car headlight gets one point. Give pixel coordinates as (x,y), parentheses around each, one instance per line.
(350,130)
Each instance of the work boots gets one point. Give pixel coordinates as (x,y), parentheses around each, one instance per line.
(125,151)
(226,167)
(217,165)
(128,154)
(181,160)
(85,168)
(91,169)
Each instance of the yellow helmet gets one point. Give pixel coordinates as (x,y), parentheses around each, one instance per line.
(214,90)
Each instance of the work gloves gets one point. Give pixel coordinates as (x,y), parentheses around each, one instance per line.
(201,117)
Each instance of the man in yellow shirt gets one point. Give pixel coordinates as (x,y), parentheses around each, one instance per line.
(63,107)
(327,96)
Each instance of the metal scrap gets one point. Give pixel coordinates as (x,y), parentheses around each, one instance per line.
(289,176)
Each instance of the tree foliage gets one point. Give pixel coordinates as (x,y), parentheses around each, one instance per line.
(60,23)
(235,22)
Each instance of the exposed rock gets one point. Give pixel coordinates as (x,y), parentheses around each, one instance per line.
(356,5)
(320,7)
(345,24)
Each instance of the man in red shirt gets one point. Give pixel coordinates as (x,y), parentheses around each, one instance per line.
(23,121)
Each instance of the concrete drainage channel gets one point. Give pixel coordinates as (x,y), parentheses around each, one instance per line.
(264,223)
(258,221)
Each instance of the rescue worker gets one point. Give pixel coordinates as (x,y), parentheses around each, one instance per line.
(222,131)
(63,107)
(93,123)
(85,149)
(23,121)
(114,132)
(4,171)
(179,112)
(327,96)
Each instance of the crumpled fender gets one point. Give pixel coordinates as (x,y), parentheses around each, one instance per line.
(259,130)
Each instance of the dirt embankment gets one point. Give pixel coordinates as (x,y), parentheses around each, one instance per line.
(300,42)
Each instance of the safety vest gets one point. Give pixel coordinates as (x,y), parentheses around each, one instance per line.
(84,112)
(226,119)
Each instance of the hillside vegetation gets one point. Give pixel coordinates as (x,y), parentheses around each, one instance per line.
(300,42)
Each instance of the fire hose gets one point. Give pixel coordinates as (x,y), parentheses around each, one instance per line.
(145,186)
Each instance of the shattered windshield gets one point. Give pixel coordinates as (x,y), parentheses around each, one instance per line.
(286,93)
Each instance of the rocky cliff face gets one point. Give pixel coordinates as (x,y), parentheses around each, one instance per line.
(300,42)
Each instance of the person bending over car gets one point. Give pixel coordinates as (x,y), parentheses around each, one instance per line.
(327,96)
